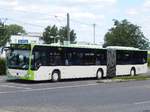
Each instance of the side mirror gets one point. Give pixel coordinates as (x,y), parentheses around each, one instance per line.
(1,52)
(5,49)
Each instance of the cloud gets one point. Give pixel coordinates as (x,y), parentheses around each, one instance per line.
(31,8)
(132,12)
(84,12)
(140,15)
(146,6)
(76,12)
(8,2)
(62,5)
(88,2)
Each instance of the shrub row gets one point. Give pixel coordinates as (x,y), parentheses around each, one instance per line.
(148,60)
(2,66)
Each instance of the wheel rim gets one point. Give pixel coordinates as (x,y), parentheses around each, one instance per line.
(99,74)
(132,73)
(55,77)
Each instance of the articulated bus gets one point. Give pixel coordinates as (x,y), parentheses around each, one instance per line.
(56,62)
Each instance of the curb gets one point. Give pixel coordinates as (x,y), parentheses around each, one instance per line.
(115,80)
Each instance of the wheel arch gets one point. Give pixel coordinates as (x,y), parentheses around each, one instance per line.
(133,68)
(58,71)
(100,69)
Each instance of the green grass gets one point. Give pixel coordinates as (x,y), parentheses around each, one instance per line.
(137,77)
(148,60)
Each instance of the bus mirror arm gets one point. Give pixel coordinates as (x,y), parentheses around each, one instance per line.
(4,49)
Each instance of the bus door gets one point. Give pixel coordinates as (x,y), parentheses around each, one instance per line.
(111,63)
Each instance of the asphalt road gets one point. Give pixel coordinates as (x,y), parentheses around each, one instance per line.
(75,96)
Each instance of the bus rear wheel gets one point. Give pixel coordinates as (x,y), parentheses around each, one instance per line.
(99,74)
(55,76)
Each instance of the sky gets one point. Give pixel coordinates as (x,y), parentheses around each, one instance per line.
(35,15)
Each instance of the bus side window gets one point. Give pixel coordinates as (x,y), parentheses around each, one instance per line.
(81,56)
(66,62)
(51,58)
(43,59)
(98,58)
(74,58)
(57,59)
(66,59)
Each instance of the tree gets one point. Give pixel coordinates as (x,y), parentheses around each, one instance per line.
(3,35)
(125,33)
(52,34)
(7,30)
(15,29)
(63,35)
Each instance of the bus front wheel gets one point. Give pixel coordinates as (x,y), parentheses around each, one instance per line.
(99,74)
(55,76)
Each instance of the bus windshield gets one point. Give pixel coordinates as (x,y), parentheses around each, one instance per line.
(18,59)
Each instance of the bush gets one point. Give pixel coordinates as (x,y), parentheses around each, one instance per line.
(2,66)
(148,60)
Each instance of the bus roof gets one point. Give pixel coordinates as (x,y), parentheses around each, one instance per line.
(124,48)
(72,46)
(90,46)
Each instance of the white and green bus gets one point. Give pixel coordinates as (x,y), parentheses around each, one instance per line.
(56,62)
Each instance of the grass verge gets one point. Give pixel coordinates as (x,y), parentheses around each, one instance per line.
(125,78)
(137,77)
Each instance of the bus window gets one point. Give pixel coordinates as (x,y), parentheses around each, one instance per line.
(75,59)
(39,59)
(18,59)
(89,59)
(57,59)
(124,57)
(98,59)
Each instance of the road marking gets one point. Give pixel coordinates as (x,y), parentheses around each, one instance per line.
(2,79)
(52,88)
(26,89)
(142,102)
(17,84)
(50,83)
(14,87)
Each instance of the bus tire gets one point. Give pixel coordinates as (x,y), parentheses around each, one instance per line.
(55,76)
(132,72)
(99,74)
